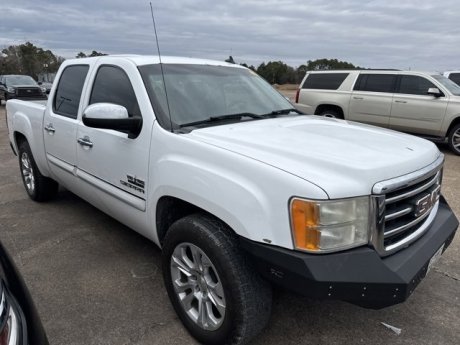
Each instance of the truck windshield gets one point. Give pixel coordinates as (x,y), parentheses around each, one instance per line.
(448,84)
(25,80)
(197,93)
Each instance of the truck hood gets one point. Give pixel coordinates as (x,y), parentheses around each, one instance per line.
(343,158)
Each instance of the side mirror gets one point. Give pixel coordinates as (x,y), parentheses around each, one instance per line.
(40,83)
(112,116)
(434,91)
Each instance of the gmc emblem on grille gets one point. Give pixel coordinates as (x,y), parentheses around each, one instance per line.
(425,203)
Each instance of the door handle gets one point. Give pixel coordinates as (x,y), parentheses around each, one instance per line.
(49,128)
(398,101)
(85,141)
(355,97)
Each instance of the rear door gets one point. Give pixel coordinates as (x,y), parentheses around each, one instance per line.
(114,166)
(371,99)
(60,123)
(415,111)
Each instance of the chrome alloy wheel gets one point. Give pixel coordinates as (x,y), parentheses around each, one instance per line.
(198,286)
(456,140)
(27,172)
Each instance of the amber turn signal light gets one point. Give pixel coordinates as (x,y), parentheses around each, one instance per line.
(305,221)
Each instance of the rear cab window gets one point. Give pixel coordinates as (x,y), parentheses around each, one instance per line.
(375,82)
(324,81)
(66,100)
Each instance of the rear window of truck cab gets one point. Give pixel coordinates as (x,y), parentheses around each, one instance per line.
(68,93)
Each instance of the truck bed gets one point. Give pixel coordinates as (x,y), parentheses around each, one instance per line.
(27,117)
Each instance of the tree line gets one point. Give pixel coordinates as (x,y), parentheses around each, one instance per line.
(32,60)
(277,72)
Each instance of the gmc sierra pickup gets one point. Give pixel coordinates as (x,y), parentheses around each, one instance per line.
(239,189)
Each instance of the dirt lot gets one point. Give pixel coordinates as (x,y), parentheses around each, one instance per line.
(97,282)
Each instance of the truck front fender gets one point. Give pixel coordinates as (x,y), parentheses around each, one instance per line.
(249,196)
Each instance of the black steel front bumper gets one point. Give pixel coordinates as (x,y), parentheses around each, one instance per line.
(359,276)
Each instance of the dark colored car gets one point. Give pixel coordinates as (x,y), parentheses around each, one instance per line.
(20,86)
(19,321)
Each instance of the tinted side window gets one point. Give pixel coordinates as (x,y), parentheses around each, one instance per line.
(455,77)
(68,93)
(414,85)
(325,81)
(112,85)
(376,82)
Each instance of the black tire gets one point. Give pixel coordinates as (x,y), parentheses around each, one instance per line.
(38,187)
(454,139)
(246,296)
(331,113)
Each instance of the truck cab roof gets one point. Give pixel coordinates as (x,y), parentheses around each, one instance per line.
(141,60)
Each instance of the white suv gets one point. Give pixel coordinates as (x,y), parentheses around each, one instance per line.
(426,104)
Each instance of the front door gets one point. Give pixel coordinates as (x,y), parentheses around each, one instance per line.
(415,111)
(114,165)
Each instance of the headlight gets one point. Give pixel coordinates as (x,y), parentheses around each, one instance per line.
(11,89)
(43,89)
(326,226)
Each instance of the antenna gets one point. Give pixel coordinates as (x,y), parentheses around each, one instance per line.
(161,65)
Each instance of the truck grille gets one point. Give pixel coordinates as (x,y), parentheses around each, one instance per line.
(27,92)
(406,206)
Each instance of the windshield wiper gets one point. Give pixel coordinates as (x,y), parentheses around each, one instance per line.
(285,111)
(238,116)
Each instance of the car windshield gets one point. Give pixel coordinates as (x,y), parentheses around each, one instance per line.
(13,80)
(448,84)
(197,93)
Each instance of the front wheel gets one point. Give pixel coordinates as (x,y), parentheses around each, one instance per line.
(38,187)
(454,139)
(217,295)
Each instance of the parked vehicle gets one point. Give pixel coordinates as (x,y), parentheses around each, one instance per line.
(20,86)
(19,320)
(453,75)
(425,104)
(45,86)
(212,164)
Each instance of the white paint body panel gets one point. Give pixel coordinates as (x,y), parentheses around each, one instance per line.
(245,173)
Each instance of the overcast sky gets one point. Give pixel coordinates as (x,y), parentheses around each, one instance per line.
(422,34)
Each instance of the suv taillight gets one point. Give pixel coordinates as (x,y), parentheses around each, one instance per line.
(297,95)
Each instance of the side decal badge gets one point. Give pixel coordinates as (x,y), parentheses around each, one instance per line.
(134,183)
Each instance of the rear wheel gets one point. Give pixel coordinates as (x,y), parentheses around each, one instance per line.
(331,113)
(38,187)
(454,139)
(217,295)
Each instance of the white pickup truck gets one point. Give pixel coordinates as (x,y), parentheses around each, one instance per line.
(239,189)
